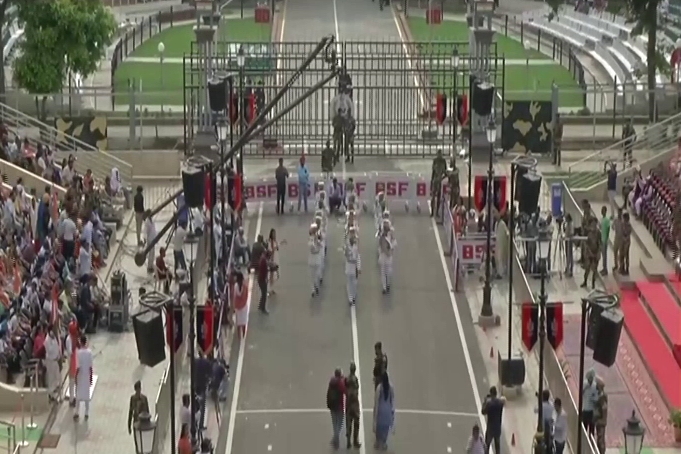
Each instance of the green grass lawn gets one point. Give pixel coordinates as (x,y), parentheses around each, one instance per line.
(458,31)
(522,82)
(164,85)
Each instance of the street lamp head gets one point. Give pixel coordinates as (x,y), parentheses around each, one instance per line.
(455,58)
(222,131)
(633,435)
(241,57)
(544,241)
(161,48)
(145,429)
(491,130)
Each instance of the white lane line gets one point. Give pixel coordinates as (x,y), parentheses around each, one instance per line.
(242,351)
(459,327)
(303,411)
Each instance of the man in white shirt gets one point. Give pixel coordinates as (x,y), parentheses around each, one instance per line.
(9,212)
(150,233)
(52,367)
(178,247)
(84,262)
(69,232)
(476,445)
(560,427)
(88,229)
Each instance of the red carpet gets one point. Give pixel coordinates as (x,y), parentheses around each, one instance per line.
(664,307)
(652,346)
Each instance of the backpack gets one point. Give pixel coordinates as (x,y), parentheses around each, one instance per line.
(333,396)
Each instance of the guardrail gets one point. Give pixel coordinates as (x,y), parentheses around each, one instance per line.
(89,157)
(31,181)
(656,138)
(11,436)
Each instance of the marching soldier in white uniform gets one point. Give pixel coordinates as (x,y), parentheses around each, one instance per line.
(379,230)
(352,265)
(321,231)
(351,224)
(386,247)
(315,260)
(379,207)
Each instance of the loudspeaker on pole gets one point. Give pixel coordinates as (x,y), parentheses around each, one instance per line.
(609,329)
(530,187)
(149,337)
(194,185)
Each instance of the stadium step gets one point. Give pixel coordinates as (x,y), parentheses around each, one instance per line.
(664,309)
(652,346)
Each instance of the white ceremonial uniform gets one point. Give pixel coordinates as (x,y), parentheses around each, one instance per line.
(315,261)
(379,208)
(352,268)
(83,379)
(217,233)
(322,253)
(386,247)
(68,351)
(52,357)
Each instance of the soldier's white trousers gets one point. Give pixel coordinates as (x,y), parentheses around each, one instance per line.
(314,276)
(386,267)
(351,283)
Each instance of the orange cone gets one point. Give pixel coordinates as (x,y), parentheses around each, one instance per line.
(512,439)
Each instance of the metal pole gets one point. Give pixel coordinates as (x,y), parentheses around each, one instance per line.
(162,88)
(454,120)
(223,177)
(24,442)
(242,123)
(487,289)
(470,144)
(192,341)
(580,398)
(542,337)
(34,389)
(211,240)
(170,307)
(511,234)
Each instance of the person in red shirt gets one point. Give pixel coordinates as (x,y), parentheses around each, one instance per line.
(262,272)
(335,396)
(39,343)
(240,301)
(162,272)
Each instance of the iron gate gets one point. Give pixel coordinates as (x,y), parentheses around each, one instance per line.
(395,87)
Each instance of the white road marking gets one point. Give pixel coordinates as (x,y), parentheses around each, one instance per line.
(449,425)
(267,426)
(459,328)
(449,449)
(269,447)
(399,411)
(242,351)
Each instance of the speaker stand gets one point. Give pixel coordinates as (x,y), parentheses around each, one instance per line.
(206,145)
(488,321)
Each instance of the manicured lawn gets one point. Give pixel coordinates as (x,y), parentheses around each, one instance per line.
(164,84)
(522,82)
(458,31)
(177,40)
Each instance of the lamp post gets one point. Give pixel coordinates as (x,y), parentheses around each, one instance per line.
(241,63)
(633,435)
(145,429)
(222,135)
(486,311)
(161,49)
(527,163)
(455,65)
(192,341)
(544,248)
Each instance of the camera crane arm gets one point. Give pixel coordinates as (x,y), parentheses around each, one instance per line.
(253,130)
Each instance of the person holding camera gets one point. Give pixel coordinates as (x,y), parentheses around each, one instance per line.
(493,408)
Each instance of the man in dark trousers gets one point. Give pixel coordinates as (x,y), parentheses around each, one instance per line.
(493,409)
(380,363)
(629,137)
(262,272)
(281,175)
(352,411)
(334,402)
(138,206)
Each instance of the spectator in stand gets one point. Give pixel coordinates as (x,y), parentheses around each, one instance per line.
(84,262)
(28,154)
(89,181)
(68,235)
(184,444)
(68,172)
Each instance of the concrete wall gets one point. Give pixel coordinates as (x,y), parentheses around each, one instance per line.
(31,180)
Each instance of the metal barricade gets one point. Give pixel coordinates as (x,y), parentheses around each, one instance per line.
(11,436)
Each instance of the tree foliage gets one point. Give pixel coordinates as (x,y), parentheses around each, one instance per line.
(60,36)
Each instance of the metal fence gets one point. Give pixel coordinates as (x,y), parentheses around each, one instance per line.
(393,93)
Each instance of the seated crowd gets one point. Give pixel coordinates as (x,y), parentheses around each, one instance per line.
(654,199)
(50,252)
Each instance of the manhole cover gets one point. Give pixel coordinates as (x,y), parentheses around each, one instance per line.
(49,441)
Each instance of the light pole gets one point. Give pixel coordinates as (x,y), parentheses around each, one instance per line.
(633,435)
(222,135)
(192,343)
(161,49)
(544,248)
(486,311)
(145,429)
(241,63)
(455,66)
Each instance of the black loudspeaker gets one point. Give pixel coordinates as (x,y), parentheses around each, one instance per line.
(217,94)
(530,187)
(592,324)
(520,172)
(610,324)
(483,98)
(194,186)
(511,371)
(149,337)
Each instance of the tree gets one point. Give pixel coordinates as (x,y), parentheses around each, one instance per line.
(60,37)
(643,15)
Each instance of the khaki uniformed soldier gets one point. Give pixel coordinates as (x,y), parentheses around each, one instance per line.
(623,254)
(352,413)
(601,415)
(439,171)
(138,404)
(617,229)
(592,252)
(454,186)
(586,219)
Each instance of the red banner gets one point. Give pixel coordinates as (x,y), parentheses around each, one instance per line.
(462,109)
(530,324)
(479,192)
(174,333)
(204,327)
(441,108)
(554,324)
(499,196)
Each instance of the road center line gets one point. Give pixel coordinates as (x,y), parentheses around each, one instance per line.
(303,411)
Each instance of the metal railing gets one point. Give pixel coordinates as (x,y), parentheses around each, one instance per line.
(11,433)
(89,157)
(650,140)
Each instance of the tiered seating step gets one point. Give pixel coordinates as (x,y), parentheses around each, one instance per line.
(652,347)
(664,308)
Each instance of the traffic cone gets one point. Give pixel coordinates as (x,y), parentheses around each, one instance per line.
(513,439)
(491,352)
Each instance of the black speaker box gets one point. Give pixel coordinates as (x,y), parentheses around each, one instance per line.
(520,172)
(149,337)
(194,185)
(483,98)
(511,371)
(609,330)
(530,187)
(592,324)
(217,94)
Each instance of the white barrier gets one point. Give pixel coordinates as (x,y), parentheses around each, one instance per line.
(402,190)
